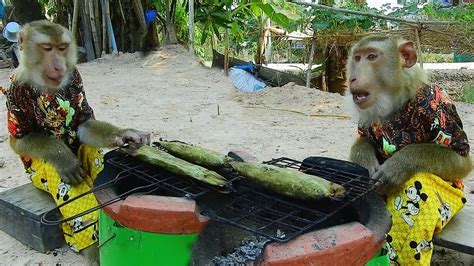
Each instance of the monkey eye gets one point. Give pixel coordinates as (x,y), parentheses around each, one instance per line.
(62,47)
(47,47)
(372,57)
(357,58)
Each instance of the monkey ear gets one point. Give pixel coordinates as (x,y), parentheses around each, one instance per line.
(408,52)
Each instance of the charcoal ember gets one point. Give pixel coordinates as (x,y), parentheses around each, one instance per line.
(249,250)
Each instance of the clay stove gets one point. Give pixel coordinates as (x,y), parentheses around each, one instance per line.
(344,231)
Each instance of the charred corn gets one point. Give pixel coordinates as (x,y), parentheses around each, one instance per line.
(194,154)
(289,182)
(178,166)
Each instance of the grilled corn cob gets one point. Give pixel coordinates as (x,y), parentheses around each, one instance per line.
(194,154)
(178,166)
(289,182)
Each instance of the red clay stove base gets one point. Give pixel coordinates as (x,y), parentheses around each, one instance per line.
(346,244)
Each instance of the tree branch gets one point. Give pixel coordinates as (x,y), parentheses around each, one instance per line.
(354,12)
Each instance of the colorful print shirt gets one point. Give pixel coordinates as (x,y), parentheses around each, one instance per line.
(431,117)
(58,113)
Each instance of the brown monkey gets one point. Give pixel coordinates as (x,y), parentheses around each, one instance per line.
(383,80)
(410,139)
(52,126)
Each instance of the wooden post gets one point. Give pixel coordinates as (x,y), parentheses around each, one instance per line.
(112,45)
(98,21)
(310,62)
(87,33)
(104,27)
(418,46)
(226,53)
(95,36)
(268,41)
(191,26)
(75,15)
(137,6)
(324,83)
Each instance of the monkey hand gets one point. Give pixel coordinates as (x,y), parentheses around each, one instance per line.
(132,136)
(69,168)
(368,161)
(363,153)
(371,163)
(392,174)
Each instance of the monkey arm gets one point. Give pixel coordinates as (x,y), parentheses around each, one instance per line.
(102,134)
(97,133)
(363,153)
(424,157)
(53,151)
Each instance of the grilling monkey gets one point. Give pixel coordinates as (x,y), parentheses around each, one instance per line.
(53,128)
(409,131)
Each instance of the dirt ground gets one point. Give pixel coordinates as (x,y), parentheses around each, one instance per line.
(173,96)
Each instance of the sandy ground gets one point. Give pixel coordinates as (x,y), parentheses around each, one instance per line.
(171,95)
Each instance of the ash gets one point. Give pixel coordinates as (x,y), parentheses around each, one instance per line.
(249,250)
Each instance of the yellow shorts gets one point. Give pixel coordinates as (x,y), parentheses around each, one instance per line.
(424,205)
(82,231)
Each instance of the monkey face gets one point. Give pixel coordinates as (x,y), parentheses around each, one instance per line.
(381,77)
(54,63)
(363,70)
(48,55)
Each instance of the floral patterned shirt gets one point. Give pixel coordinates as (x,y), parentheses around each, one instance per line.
(56,113)
(431,117)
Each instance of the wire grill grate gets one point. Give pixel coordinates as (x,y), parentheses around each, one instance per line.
(248,207)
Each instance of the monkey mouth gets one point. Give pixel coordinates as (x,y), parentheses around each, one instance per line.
(56,81)
(360,97)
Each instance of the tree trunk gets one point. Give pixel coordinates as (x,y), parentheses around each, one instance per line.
(170,27)
(191,26)
(124,18)
(170,35)
(336,68)
(25,11)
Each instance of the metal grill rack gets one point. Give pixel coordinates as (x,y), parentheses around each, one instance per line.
(280,218)
(248,207)
(176,186)
(356,184)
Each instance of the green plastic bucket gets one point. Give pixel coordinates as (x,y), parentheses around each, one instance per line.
(380,258)
(119,245)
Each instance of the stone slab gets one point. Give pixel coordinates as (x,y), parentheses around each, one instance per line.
(21,209)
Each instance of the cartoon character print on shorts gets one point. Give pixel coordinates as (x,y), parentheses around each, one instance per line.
(423,245)
(412,206)
(95,233)
(392,253)
(99,160)
(45,184)
(77,224)
(444,210)
(63,190)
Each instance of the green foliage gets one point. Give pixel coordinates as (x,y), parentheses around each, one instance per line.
(326,20)
(468,94)
(180,18)
(464,12)
(182,23)
(437,58)
(279,12)
(213,15)
(48,6)
(239,17)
